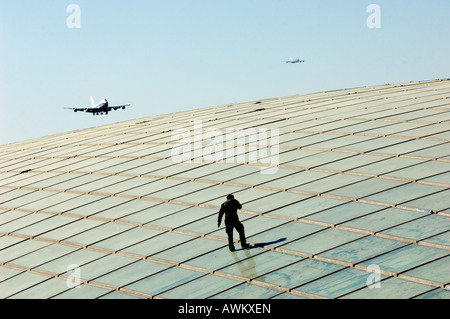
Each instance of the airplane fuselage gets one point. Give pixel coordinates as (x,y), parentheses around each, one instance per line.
(99,108)
(295,61)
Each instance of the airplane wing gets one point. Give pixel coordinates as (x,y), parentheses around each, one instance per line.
(76,109)
(116,107)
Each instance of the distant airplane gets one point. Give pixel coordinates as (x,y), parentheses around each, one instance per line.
(294,61)
(101,107)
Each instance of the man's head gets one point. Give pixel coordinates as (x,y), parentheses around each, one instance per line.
(230,197)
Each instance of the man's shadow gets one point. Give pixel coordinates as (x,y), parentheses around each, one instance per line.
(260,245)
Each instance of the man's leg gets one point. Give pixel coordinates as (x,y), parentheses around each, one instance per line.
(240,229)
(229,230)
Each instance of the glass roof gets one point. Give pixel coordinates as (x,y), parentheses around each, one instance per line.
(334,187)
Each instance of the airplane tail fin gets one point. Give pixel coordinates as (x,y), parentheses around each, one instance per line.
(92,102)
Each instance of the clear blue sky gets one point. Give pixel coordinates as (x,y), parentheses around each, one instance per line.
(165,56)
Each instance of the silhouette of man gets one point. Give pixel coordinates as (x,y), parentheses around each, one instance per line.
(229,208)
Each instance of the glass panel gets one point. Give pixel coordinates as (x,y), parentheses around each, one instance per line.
(18,223)
(366,187)
(383,219)
(127,238)
(43,290)
(20,282)
(305,177)
(363,126)
(337,284)
(204,170)
(353,162)
(285,182)
(97,184)
(124,184)
(78,257)
(285,233)
(157,244)
(427,130)
(154,186)
(184,217)
(341,141)
(84,292)
(299,273)
(322,241)
(422,170)
(164,281)
(46,225)
(97,164)
(130,273)
(213,193)
(273,202)
(251,266)
(436,294)
(7,241)
(153,212)
(386,166)
(100,205)
(342,213)
(288,296)
(258,178)
(200,288)
(362,249)
(395,129)
(128,208)
(118,295)
(391,288)
(437,151)
(407,147)
(135,166)
(330,183)
(422,228)
(234,172)
(306,139)
(443,179)
(105,265)
(71,229)
(287,156)
(436,271)
(24,179)
(246,291)
(74,203)
(403,193)
(190,250)
(319,159)
(373,144)
(259,224)
(6,273)
(222,257)
(247,195)
(43,255)
(177,168)
(79,180)
(94,235)
(54,199)
(308,207)
(406,258)
(53,182)
(435,202)
(25,199)
(442,239)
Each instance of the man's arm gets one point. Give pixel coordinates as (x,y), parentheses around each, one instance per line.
(221,212)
